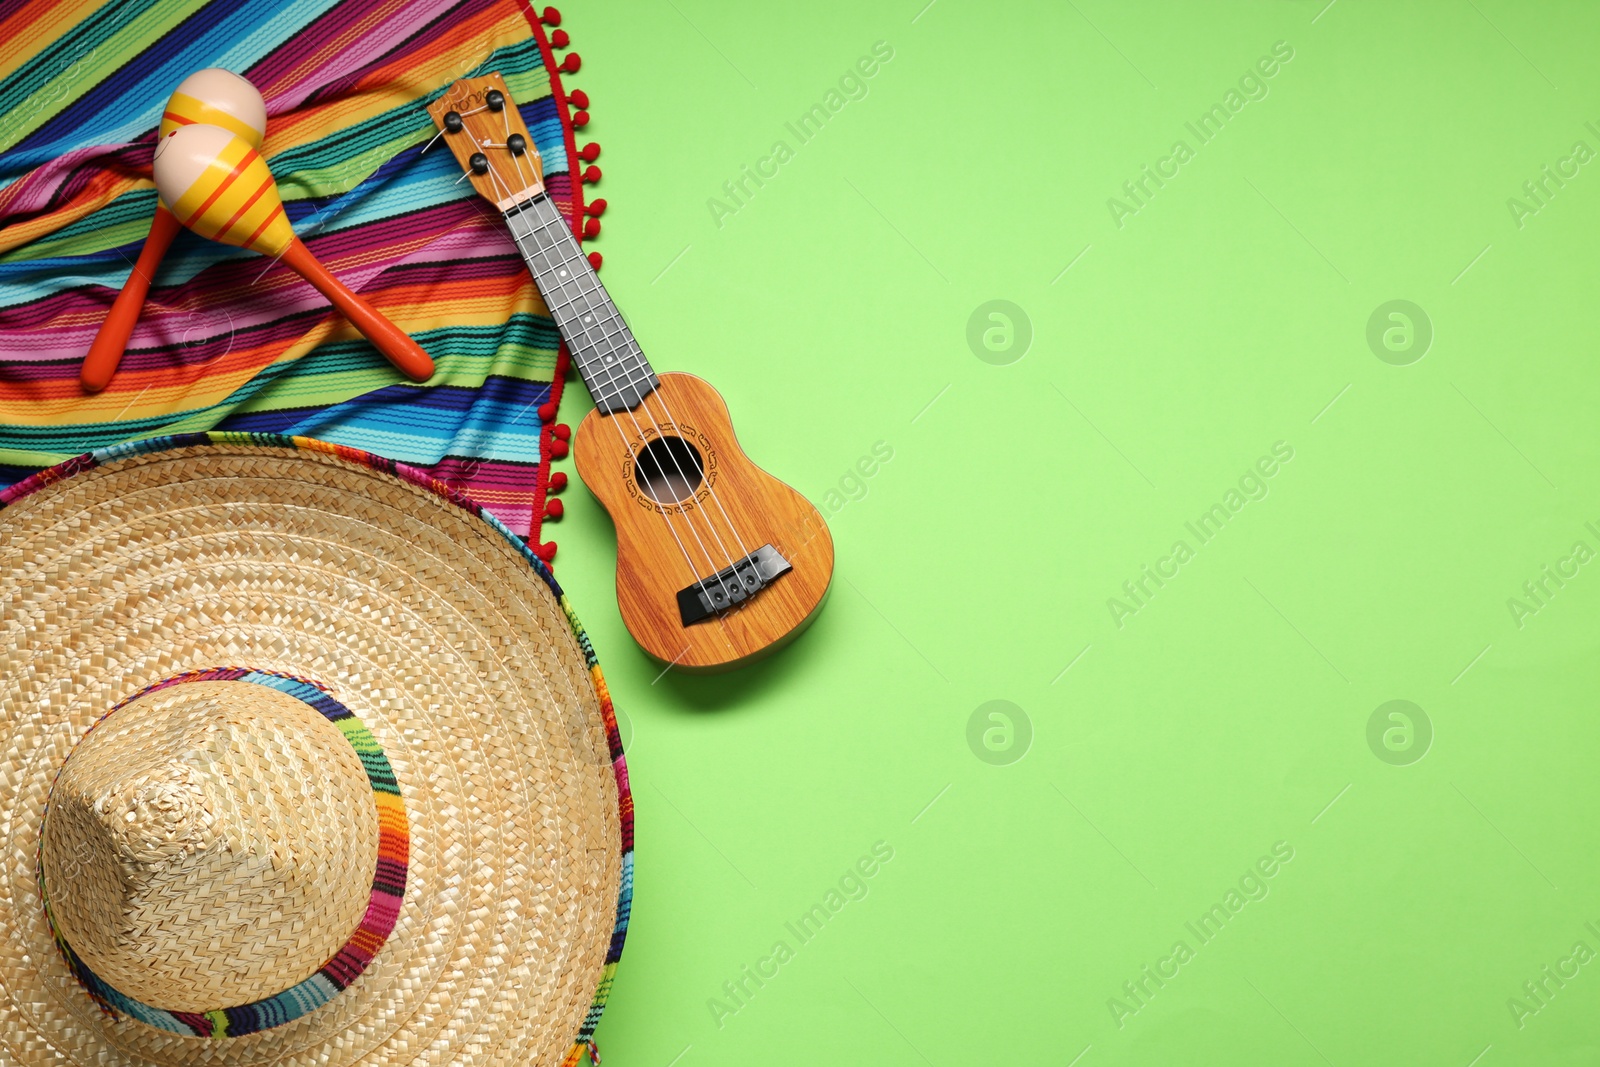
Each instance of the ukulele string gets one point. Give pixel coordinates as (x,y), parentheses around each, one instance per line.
(694,571)
(694,460)
(699,470)
(611,380)
(568,243)
(668,506)
(688,483)
(440,134)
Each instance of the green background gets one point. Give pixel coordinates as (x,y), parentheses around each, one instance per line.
(1230,712)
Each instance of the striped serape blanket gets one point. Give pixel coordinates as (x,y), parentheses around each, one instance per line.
(229,340)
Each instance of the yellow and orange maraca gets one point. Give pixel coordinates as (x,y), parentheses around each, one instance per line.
(213,96)
(211,178)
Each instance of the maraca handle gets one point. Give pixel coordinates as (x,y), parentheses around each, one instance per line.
(390,339)
(105,353)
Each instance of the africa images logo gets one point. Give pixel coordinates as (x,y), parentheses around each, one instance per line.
(853,85)
(1253,886)
(1252,486)
(852,886)
(1253,84)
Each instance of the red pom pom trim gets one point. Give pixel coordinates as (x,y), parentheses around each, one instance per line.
(596,207)
(546,551)
(591,228)
(579,98)
(558,449)
(560,39)
(563,431)
(591,175)
(595,259)
(558,481)
(571,63)
(589,152)
(551,17)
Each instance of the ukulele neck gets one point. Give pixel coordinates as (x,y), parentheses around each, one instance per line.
(607,357)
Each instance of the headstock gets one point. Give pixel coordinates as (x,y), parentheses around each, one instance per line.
(484,137)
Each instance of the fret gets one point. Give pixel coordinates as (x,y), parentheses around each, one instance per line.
(603,340)
(606,354)
(610,349)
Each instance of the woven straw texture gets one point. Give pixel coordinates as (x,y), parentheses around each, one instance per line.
(210,845)
(428,622)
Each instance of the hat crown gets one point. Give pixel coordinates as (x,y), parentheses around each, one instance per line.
(210,844)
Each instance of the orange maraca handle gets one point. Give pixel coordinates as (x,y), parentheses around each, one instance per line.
(112,340)
(390,339)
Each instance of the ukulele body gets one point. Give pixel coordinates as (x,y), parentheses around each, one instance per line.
(640,465)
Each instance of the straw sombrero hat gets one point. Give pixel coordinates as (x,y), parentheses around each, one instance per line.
(305,761)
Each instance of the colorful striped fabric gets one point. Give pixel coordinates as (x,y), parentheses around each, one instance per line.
(229,340)
(346,965)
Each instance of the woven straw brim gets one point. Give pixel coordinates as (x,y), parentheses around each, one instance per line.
(428,621)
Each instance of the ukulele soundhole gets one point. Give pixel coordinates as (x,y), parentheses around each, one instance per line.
(669,470)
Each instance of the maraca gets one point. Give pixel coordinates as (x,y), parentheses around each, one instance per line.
(218,185)
(215,97)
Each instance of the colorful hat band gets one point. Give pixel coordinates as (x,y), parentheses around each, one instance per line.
(388,883)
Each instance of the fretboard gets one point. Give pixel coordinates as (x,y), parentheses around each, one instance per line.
(603,349)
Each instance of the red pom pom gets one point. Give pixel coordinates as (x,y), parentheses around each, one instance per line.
(595,259)
(579,98)
(558,481)
(591,175)
(591,228)
(580,119)
(547,411)
(546,551)
(558,449)
(551,17)
(595,207)
(563,432)
(571,63)
(560,39)
(589,152)
(553,510)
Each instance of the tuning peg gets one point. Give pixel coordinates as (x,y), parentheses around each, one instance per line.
(212,96)
(219,186)
(452,124)
(495,100)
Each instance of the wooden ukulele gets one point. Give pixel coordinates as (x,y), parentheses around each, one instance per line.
(718,562)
